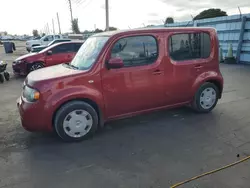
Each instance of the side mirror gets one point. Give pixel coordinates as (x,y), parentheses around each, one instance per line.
(49,52)
(115,63)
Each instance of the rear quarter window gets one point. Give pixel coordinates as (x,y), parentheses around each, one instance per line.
(188,46)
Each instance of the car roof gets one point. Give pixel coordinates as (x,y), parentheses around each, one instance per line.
(68,42)
(60,39)
(153,30)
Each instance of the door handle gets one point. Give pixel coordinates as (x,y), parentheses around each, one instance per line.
(157,72)
(198,66)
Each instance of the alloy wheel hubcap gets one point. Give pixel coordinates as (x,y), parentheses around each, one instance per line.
(208,98)
(77,123)
(35,67)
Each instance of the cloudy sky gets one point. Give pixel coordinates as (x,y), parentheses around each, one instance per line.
(26,15)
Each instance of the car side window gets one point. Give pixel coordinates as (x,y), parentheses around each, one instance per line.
(57,37)
(77,46)
(189,46)
(62,48)
(50,38)
(136,50)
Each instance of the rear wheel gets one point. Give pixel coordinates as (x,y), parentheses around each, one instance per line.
(1,78)
(76,121)
(206,98)
(7,76)
(35,66)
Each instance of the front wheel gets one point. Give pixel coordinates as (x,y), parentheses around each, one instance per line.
(76,121)
(206,98)
(35,66)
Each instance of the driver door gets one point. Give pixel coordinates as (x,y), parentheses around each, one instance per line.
(138,85)
(47,40)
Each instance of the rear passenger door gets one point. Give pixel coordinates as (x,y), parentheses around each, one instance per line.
(190,55)
(61,53)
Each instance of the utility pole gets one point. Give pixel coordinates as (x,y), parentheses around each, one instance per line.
(70,9)
(48,28)
(107,14)
(53,26)
(58,21)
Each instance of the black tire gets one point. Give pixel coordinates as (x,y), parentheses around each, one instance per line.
(64,111)
(6,76)
(35,66)
(197,103)
(1,78)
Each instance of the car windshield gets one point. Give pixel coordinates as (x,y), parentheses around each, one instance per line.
(88,53)
(42,38)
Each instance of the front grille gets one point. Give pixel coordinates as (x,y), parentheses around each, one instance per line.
(17,70)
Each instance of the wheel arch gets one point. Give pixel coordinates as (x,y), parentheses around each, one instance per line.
(30,64)
(88,101)
(218,85)
(211,77)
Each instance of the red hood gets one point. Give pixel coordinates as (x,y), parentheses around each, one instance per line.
(30,55)
(49,73)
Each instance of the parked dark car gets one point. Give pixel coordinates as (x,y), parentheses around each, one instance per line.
(123,73)
(39,48)
(53,55)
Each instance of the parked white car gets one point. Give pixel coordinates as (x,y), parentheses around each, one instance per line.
(43,41)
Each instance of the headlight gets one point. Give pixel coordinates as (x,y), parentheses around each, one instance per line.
(30,94)
(19,61)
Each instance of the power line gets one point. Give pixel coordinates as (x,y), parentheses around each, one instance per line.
(87,4)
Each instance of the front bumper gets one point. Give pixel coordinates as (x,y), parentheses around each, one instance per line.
(33,116)
(20,69)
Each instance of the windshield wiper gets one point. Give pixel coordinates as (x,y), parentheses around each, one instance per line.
(71,66)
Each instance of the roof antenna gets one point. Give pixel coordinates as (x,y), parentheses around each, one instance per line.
(190,21)
(187,23)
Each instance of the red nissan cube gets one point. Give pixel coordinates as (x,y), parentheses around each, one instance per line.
(55,54)
(123,73)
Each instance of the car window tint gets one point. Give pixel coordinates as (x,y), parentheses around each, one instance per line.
(189,46)
(77,46)
(136,50)
(50,38)
(62,48)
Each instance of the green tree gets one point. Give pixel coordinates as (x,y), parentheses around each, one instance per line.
(169,20)
(35,32)
(98,30)
(75,27)
(210,13)
(112,29)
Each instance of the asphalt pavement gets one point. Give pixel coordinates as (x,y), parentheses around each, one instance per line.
(154,150)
